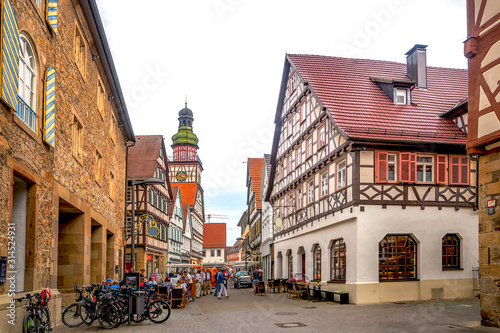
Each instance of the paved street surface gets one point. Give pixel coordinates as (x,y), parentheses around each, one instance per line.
(244,312)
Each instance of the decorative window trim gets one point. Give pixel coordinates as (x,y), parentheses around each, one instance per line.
(316,262)
(426,164)
(80,50)
(29,116)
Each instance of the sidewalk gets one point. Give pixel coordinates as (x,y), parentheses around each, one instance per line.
(244,312)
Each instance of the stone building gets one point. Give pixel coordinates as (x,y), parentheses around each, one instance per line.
(64,131)
(482,50)
(148,159)
(370,183)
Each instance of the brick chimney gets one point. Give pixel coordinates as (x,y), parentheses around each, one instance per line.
(416,65)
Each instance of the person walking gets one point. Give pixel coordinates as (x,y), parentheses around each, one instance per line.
(199,282)
(217,287)
(221,279)
(207,281)
(255,277)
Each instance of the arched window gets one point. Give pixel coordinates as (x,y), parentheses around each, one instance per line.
(397,258)
(338,260)
(290,264)
(27,82)
(451,251)
(317,263)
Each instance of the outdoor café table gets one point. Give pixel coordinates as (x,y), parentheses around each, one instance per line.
(317,293)
(303,287)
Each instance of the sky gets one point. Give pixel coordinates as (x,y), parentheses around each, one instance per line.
(227,57)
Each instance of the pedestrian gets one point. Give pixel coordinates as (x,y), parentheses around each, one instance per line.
(210,276)
(255,277)
(221,279)
(217,286)
(199,282)
(189,281)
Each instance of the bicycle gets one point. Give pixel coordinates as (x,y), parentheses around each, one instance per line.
(37,318)
(87,310)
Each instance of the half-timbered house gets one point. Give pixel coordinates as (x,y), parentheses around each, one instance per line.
(481,48)
(267,222)
(371,187)
(175,228)
(254,203)
(148,159)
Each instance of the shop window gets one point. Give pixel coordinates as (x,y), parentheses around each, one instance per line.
(451,251)
(397,258)
(338,260)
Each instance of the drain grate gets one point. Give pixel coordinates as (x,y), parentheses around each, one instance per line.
(291,325)
(309,307)
(286,313)
(196,314)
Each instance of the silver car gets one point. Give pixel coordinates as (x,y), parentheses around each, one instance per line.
(243,279)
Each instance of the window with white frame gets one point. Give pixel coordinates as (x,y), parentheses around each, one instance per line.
(290,204)
(425,168)
(290,127)
(299,198)
(392,167)
(341,181)
(303,112)
(289,164)
(310,192)
(309,147)
(401,96)
(324,184)
(298,157)
(212,253)
(321,136)
(27,82)
(293,82)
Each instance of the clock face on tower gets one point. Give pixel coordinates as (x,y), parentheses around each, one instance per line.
(181,176)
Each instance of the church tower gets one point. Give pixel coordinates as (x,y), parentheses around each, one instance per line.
(185,165)
(185,172)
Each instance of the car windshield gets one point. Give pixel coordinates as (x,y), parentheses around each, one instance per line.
(244,273)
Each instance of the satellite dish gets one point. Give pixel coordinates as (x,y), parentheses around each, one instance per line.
(278,222)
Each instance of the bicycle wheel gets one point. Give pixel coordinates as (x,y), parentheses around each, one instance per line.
(30,324)
(72,315)
(159,311)
(45,325)
(108,316)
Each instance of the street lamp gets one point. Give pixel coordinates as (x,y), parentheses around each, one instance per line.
(149,181)
(246,252)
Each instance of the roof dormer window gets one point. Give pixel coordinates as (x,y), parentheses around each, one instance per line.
(401,96)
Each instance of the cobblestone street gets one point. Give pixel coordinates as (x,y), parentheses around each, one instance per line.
(244,312)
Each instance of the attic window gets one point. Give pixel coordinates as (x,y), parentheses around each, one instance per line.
(401,96)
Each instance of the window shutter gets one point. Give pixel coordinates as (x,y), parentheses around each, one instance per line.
(413,167)
(381,167)
(51,14)
(9,55)
(49,107)
(404,167)
(464,170)
(459,170)
(441,169)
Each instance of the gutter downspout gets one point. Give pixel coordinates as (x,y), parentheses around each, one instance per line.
(127,146)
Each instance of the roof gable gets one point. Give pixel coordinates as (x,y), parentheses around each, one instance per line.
(143,157)
(254,177)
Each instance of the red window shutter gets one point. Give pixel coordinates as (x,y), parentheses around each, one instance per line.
(459,170)
(381,167)
(413,167)
(441,169)
(404,167)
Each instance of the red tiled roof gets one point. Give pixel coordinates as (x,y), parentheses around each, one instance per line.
(143,156)
(214,235)
(255,173)
(188,193)
(362,110)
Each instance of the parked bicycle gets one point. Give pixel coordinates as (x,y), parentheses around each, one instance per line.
(156,307)
(88,309)
(37,318)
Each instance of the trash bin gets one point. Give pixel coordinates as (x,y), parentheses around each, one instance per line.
(138,303)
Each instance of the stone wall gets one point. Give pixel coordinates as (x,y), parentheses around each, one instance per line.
(58,183)
(489,239)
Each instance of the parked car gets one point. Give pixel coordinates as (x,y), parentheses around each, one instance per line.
(244,278)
